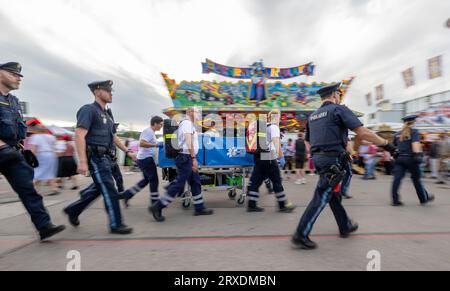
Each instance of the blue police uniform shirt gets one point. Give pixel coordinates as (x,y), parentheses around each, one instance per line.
(327,129)
(12,126)
(98,122)
(405,147)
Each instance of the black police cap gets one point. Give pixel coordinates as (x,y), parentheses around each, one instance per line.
(328,90)
(12,67)
(410,118)
(106,85)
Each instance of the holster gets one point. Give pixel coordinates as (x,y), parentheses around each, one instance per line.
(30,158)
(396,155)
(98,151)
(335,175)
(344,159)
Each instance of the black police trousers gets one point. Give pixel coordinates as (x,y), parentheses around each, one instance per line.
(402,165)
(20,176)
(100,168)
(150,173)
(265,169)
(323,195)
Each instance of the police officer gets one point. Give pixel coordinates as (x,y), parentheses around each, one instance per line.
(187,170)
(146,162)
(267,166)
(326,137)
(408,158)
(92,190)
(12,163)
(95,135)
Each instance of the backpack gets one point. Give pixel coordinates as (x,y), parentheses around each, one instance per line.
(256,137)
(171,144)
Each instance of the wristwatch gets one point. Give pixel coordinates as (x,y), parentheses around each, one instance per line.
(193,157)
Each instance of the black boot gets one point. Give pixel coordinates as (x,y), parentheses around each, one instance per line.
(255,208)
(50,230)
(122,230)
(430,199)
(156,211)
(73,220)
(125,199)
(303,243)
(346,196)
(204,211)
(397,204)
(287,207)
(353,228)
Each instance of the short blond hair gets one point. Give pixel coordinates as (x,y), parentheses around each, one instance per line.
(273,112)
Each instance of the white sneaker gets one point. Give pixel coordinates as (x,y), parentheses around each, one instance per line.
(304,181)
(298,182)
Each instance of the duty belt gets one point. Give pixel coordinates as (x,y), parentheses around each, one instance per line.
(17,147)
(328,154)
(99,151)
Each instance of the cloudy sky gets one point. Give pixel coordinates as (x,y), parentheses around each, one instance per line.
(64,44)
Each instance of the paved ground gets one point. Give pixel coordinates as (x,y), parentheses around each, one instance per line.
(410,238)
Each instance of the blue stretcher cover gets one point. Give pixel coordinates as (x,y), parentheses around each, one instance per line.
(223,151)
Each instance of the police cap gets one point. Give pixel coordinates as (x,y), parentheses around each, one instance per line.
(328,90)
(105,85)
(410,118)
(12,67)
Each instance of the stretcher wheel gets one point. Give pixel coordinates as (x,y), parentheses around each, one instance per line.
(241,200)
(186,200)
(232,194)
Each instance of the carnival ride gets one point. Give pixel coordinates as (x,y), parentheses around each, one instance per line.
(296,101)
(228,160)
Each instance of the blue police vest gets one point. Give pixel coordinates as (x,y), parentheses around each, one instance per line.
(12,127)
(405,147)
(101,132)
(325,134)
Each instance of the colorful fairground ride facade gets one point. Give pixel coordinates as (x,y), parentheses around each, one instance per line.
(258,90)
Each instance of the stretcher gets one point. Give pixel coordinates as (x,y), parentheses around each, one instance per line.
(223,165)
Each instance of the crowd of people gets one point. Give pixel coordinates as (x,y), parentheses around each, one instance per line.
(325,145)
(370,159)
(434,165)
(56,156)
(58,160)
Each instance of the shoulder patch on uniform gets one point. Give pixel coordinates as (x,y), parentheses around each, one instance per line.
(318,116)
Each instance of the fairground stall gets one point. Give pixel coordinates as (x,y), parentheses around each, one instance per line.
(432,124)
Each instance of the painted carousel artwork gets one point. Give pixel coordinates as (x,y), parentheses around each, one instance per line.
(257,88)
